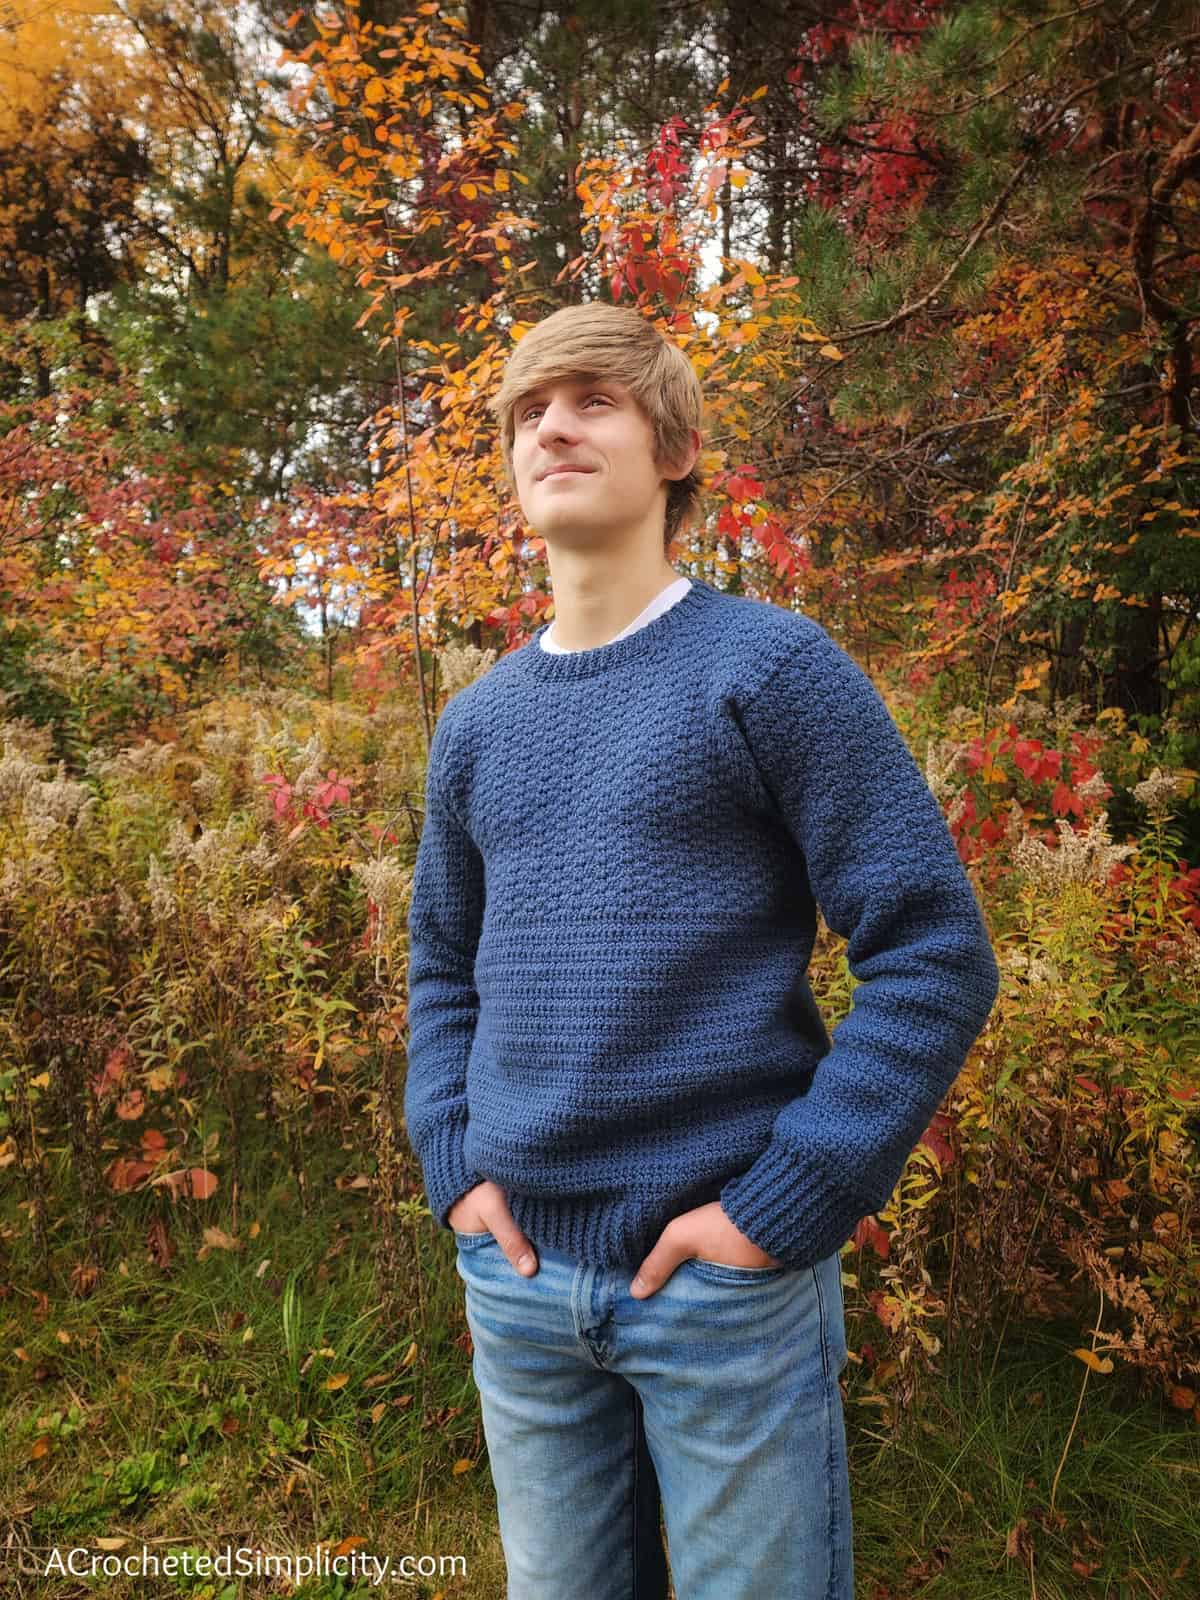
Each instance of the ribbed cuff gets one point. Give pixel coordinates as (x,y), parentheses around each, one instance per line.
(787,1207)
(447,1175)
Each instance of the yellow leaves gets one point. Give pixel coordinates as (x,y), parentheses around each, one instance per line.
(831,353)
(339,1380)
(1032,678)
(1168,1142)
(1091,1360)
(461,1466)
(217,1239)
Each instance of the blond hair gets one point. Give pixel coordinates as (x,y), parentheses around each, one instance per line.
(617,343)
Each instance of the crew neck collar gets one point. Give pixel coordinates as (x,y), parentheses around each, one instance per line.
(574,664)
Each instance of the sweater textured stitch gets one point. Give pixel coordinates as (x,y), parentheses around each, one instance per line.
(613,910)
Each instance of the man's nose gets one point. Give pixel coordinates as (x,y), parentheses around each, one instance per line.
(555,422)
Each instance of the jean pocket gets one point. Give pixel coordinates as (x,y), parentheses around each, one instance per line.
(468,1241)
(720,1272)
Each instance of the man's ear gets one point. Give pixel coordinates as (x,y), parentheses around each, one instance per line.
(684,462)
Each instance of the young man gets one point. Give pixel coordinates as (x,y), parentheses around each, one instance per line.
(623,1096)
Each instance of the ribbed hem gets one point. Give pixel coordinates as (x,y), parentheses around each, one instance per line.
(645,642)
(788,1208)
(617,1235)
(447,1175)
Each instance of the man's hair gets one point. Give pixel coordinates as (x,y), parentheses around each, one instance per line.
(598,340)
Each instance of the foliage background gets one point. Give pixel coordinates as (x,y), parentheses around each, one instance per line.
(936,265)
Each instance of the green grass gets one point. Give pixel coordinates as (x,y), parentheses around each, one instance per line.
(939,1507)
(191,1408)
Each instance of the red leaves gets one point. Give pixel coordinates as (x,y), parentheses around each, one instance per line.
(667,170)
(869,1233)
(647,262)
(934,1139)
(333,791)
(282,798)
(1035,761)
(1002,757)
(744,484)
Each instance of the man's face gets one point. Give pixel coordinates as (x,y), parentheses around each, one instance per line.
(594,432)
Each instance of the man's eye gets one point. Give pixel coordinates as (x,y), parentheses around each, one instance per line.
(603,398)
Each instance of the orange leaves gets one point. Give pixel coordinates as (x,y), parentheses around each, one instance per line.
(196,1183)
(126,1173)
(130,1106)
(129,1171)
(113,1071)
(1094,1362)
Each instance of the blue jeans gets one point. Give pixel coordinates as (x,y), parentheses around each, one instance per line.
(717,1397)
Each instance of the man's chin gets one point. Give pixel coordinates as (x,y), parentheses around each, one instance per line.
(574,535)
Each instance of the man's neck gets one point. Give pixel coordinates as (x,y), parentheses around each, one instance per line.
(590,609)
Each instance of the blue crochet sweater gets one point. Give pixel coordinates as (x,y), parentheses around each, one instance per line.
(613,909)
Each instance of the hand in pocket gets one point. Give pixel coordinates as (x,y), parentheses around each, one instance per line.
(484,1209)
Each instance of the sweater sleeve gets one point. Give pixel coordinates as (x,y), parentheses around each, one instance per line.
(884,870)
(444,920)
